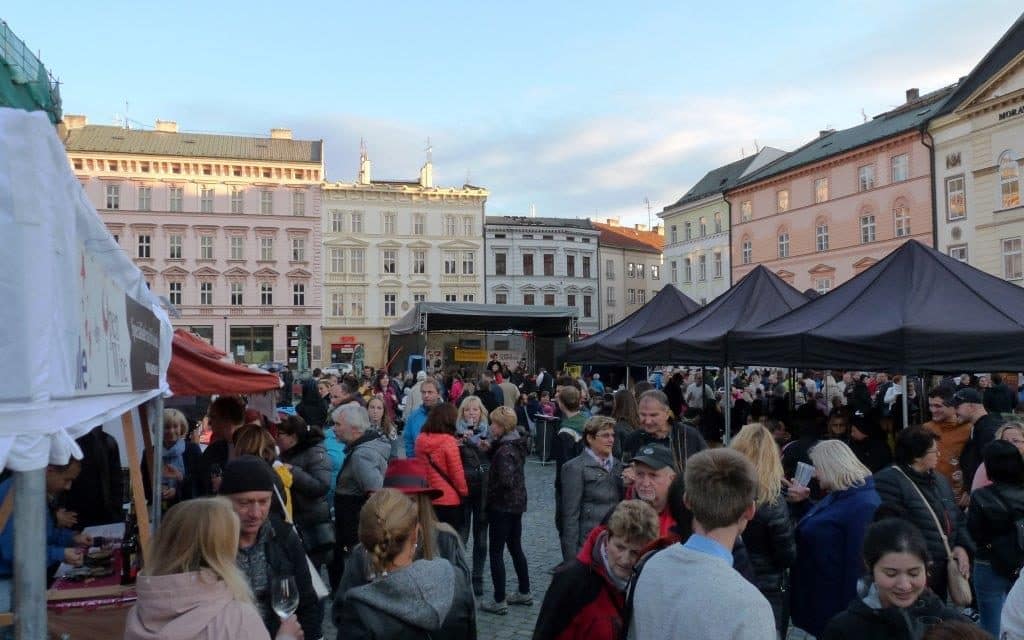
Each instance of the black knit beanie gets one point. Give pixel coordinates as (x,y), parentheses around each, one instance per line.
(247,473)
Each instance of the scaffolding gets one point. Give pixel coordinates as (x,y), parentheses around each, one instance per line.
(24,82)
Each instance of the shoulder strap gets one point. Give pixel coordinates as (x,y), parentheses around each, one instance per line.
(627,611)
(7,508)
(444,475)
(942,534)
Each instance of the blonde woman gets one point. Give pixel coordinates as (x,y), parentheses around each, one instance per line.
(190,588)
(471,426)
(829,537)
(1012,432)
(769,537)
(407,598)
(472,418)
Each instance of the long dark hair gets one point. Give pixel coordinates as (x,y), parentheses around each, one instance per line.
(306,435)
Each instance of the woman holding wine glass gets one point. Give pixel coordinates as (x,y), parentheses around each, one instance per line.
(191,589)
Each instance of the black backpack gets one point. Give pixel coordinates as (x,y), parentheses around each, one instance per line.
(1006,552)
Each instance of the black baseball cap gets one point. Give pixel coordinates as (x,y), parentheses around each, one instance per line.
(966,395)
(655,456)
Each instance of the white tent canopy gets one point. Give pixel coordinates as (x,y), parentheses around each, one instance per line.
(83,338)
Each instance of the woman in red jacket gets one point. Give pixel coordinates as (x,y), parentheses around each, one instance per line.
(587,594)
(436,445)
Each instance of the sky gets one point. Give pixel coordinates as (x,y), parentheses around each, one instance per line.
(581,109)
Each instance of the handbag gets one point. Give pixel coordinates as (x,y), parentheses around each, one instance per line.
(959,587)
(319,587)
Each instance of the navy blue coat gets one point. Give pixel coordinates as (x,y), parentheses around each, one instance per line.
(828,559)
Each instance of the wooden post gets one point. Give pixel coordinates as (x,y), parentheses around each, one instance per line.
(135,474)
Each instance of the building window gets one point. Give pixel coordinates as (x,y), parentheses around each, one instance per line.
(174,293)
(867,229)
(746,211)
(337,261)
(528,299)
(389,224)
(610,296)
(823,285)
(175,198)
(145,198)
(718,264)
(298,249)
(527,264)
(1012,269)
(419,262)
(611,319)
(266,294)
(298,295)
(1009,180)
(419,297)
(673,271)
(450,263)
(357,305)
(958,252)
(639,270)
(609,269)
(449,225)
(821,236)
(338,304)
(419,224)
(266,202)
(113,196)
(746,251)
(784,244)
(501,298)
(718,222)
(467,226)
(866,177)
(641,296)
(174,247)
(206,247)
(206,200)
(570,266)
(901,219)
(630,270)
(468,297)
(586,266)
(237,200)
(956,198)
(390,305)
(702,268)
(570,300)
(687,270)
(298,203)
(673,234)
(357,222)
(236,294)
(238,248)
(500,264)
(389,258)
(782,200)
(900,167)
(631,296)
(821,190)
(144,247)
(206,293)
(549,264)
(655,272)
(549,299)
(468,263)
(357,260)
(687,230)
(266,248)
(703,225)
(337,221)
(588,307)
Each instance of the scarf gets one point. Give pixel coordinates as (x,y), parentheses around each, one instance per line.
(175,456)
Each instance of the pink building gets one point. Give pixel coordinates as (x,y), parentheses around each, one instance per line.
(227,228)
(822,214)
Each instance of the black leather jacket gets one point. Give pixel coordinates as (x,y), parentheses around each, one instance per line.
(771,544)
(992,514)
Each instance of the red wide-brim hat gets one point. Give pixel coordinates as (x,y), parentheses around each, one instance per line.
(409,475)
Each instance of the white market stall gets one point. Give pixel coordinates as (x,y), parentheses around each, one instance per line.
(84,341)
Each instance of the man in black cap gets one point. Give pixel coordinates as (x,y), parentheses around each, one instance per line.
(268,549)
(971,408)
(652,472)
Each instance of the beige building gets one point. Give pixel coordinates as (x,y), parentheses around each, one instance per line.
(226,228)
(629,268)
(979,163)
(389,244)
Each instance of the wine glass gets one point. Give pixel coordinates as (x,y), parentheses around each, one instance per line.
(285,597)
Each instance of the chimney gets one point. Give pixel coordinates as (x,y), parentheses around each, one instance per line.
(613,222)
(72,122)
(427,175)
(641,227)
(364,168)
(659,229)
(280,134)
(825,132)
(167,126)
(913,94)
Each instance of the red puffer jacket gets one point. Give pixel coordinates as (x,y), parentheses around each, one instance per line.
(441,451)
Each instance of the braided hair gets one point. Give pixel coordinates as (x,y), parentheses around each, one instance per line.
(386,521)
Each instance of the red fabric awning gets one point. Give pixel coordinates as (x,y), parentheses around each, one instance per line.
(197,370)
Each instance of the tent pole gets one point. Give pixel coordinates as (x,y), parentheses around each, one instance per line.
(727,399)
(156,479)
(30,554)
(627,375)
(903,402)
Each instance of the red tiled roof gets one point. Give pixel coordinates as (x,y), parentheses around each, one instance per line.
(630,238)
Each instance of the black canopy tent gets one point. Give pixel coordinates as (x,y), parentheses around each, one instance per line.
(614,344)
(700,338)
(916,310)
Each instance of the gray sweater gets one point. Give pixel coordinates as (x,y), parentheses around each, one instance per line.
(588,494)
(684,594)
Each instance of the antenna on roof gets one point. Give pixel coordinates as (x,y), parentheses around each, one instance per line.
(362,148)
(127,122)
(430,151)
(863,114)
(647,202)
(533,210)
(757,147)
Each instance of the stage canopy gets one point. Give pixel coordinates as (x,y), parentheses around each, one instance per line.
(198,369)
(916,310)
(700,338)
(615,344)
(83,338)
(542,321)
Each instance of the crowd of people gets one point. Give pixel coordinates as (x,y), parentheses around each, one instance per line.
(821,512)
